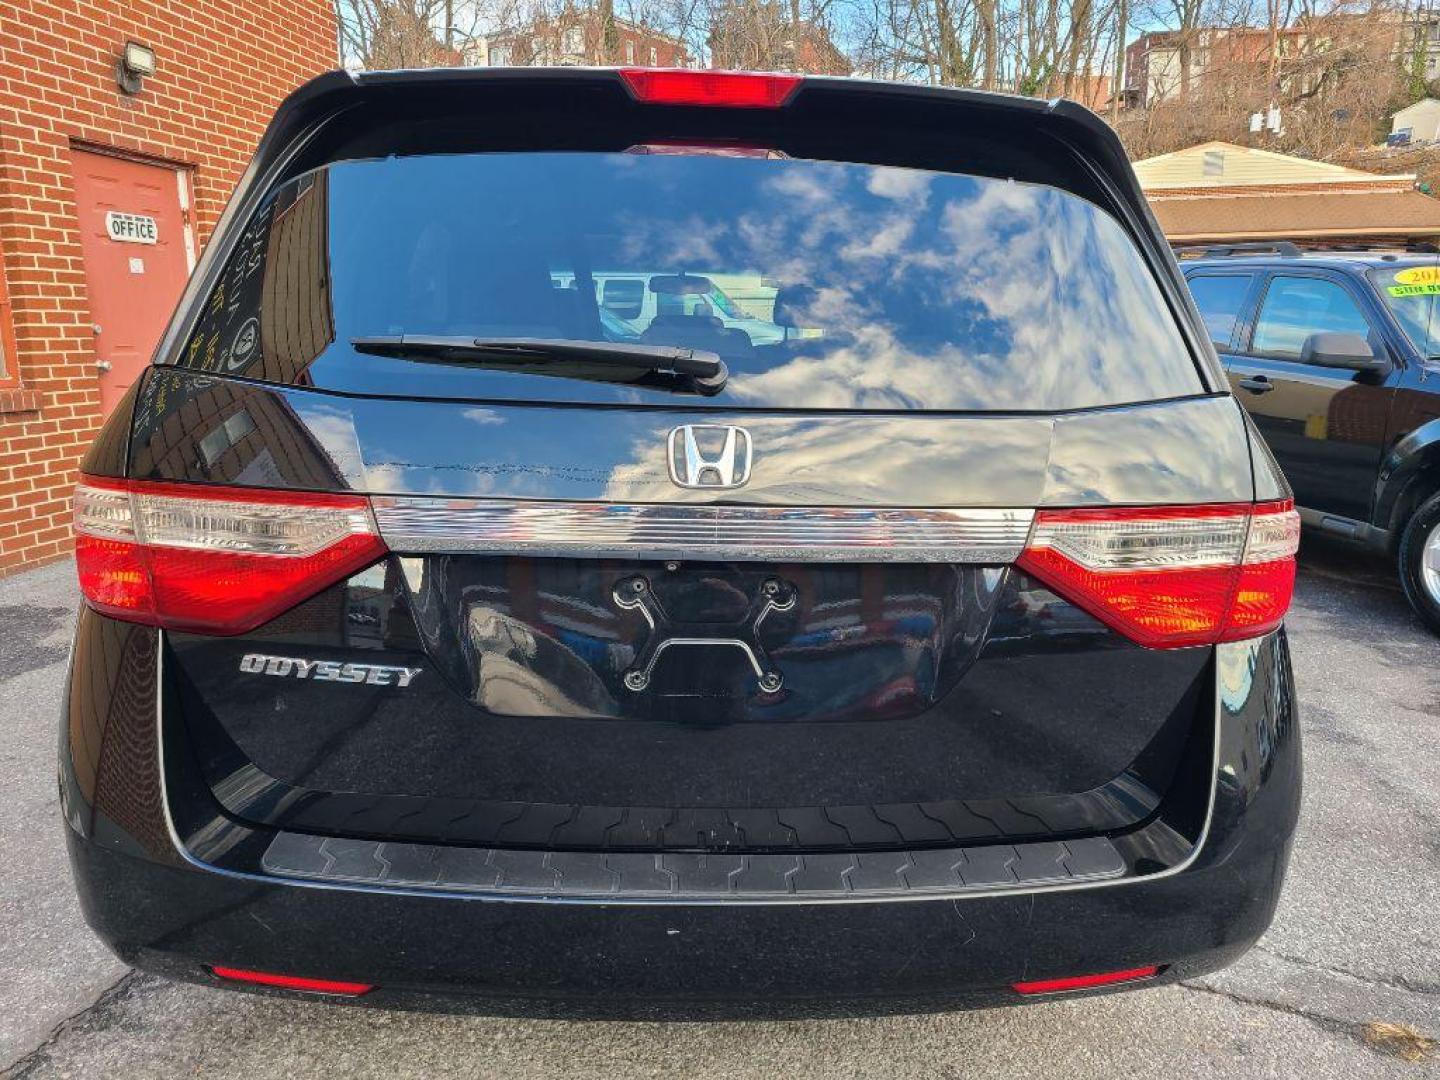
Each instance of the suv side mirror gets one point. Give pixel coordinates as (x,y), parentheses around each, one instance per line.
(1337,350)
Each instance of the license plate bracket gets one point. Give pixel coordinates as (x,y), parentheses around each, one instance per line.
(636,594)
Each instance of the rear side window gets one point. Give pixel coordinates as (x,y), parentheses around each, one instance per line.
(822,285)
(1296,307)
(1221,300)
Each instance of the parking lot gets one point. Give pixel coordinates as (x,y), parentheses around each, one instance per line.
(1355,946)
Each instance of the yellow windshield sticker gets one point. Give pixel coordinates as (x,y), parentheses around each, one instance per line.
(1418,275)
(1427,289)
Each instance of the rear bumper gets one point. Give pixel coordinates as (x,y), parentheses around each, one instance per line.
(177,912)
(601,960)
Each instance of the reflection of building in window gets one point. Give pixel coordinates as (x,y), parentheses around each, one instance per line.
(220,439)
(296,323)
(269,316)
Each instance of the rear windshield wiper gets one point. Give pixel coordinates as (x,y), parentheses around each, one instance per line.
(674,368)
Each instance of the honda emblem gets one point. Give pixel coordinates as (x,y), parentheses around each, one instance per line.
(709,456)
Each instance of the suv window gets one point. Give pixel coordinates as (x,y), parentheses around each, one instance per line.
(625,298)
(1410,292)
(892,288)
(1296,307)
(1221,300)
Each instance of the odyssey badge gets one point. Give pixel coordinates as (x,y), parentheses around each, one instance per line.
(327,670)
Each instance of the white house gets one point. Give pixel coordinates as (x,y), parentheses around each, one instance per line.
(1422,119)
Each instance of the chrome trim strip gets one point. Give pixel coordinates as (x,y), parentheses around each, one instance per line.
(419,524)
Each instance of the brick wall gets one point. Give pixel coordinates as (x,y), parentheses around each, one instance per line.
(222,67)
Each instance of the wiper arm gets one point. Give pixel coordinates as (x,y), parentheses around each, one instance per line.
(703,370)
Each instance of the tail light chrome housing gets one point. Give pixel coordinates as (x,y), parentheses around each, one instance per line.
(1171,576)
(213,560)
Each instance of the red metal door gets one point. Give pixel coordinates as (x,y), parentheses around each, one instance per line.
(138,252)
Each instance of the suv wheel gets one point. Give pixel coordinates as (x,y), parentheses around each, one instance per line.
(1420,561)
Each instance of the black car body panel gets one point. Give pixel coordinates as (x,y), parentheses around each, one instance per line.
(163,908)
(902,689)
(311,441)
(583,727)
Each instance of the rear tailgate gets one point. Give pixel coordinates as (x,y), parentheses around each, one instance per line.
(920,701)
(571,645)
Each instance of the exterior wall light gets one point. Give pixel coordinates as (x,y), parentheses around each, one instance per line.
(136,62)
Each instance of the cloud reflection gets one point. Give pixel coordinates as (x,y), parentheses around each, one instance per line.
(934,290)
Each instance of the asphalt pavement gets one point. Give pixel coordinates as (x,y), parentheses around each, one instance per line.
(1351,965)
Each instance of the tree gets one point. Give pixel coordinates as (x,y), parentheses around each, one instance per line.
(401,33)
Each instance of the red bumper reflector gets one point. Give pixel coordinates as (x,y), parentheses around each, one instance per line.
(293,982)
(1081,982)
(725,89)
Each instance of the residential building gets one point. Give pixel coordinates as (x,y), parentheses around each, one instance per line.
(760,36)
(577,37)
(1092,91)
(1421,121)
(1420,44)
(1164,65)
(1219,192)
(123,128)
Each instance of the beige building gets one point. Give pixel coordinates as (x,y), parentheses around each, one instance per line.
(1421,121)
(1219,192)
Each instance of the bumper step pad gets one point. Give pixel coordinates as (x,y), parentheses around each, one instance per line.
(704,878)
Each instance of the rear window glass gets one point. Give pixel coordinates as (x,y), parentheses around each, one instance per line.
(822,285)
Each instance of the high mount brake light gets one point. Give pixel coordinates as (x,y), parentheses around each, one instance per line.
(1172,576)
(697,149)
(214,560)
(724,89)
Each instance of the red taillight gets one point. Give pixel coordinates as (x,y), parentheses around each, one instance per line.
(293,982)
(213,559)
(1172,576)
(1082,982)
(728,89)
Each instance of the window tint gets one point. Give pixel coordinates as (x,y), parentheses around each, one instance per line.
(1221,299)
(1296,307)
(822,285)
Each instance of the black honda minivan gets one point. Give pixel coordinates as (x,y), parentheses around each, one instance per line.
(599,540)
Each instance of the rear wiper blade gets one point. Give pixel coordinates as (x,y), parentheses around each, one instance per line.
(699,367)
